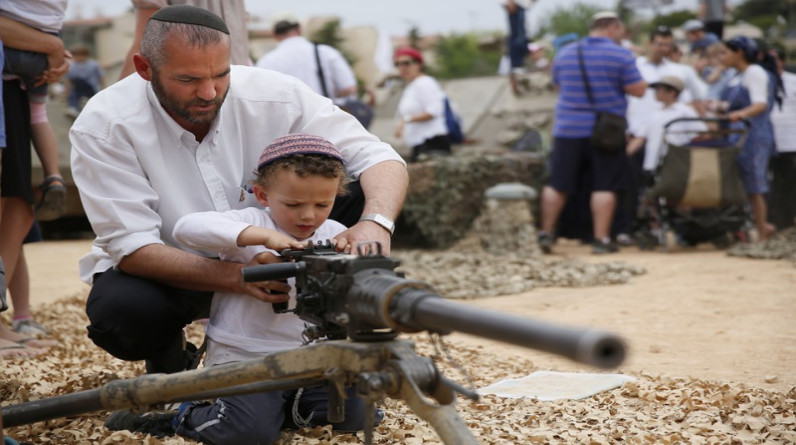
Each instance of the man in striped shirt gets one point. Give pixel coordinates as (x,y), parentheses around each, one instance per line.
(612,73)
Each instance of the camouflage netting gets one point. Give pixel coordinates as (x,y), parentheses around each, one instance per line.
(654,409)
(445,194)
(499,255)
(781,246)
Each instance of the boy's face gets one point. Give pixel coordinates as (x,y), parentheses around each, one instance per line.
(665,95)
(298,205)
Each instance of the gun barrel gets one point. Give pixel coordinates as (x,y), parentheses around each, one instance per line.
(588,346)
(269,272)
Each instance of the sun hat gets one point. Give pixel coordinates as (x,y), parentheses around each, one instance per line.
(693,25)
(295,144)
(669,81)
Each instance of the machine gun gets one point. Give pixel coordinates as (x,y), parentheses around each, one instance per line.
(356,305)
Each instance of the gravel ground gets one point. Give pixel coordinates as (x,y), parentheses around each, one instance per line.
(654,409)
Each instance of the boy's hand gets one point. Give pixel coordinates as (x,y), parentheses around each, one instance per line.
(262,290)
(279,241)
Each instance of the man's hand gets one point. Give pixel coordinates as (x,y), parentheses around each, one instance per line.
(261,290)
(58,67)
(363,231)
(399,129)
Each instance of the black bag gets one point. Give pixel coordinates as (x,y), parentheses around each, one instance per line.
(360,110)
(608,133)
(355,107)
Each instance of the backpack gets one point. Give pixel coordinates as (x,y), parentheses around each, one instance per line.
(454,124)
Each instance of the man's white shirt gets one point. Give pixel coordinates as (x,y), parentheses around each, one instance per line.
(138,171)
(295,56)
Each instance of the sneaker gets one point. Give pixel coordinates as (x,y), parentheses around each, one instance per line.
(157,424)
(623,239)
(29,327)
(546,242)
(605,246)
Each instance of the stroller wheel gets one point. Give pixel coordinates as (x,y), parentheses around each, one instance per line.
(668,240)
(749,235)
(723,241)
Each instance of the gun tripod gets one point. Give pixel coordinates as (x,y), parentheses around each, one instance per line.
(377,369)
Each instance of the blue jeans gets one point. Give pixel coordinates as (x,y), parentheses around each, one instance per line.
(259,418)
(80,89)
(27,65)
(518,40)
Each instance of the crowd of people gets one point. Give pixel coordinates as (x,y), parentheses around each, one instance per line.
(171,242)
(736,84)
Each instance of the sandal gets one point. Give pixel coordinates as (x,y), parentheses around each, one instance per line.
(9,349)
(53,199)
(39,343)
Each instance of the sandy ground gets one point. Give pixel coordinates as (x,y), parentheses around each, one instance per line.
(696,313)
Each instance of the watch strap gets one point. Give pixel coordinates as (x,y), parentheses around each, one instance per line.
(381,220)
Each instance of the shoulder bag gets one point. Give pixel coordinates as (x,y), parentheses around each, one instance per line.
(608,133)
(353,106)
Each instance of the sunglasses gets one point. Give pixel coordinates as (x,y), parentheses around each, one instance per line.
(404,63)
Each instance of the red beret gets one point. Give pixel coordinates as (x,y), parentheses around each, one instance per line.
(408,51)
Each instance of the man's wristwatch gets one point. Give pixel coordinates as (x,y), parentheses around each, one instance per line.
(381,220)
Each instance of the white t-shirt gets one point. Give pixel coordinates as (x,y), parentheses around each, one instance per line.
(784,119)
(242,327)
(755,80)
(44,15)
(296,56)
(138,171)
(423,95)
(678,134)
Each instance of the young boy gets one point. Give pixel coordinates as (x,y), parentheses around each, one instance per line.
(667,90)
(85,78)
(298,178)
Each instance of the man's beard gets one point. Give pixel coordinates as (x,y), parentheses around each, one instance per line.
(182,110)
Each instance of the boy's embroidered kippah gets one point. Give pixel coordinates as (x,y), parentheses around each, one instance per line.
(190,15)
(294,144)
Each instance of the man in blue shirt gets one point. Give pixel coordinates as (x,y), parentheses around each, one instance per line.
(698,36)
(612,73)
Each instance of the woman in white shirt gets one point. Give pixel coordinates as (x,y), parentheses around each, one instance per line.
(750,96)
(421,110)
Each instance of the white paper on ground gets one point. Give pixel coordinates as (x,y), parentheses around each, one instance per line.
(554,385)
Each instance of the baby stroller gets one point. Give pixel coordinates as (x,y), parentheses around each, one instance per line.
(697,195)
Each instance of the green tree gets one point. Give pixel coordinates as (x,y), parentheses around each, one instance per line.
(331,34)
(572,19)
(764,13)
(460,55)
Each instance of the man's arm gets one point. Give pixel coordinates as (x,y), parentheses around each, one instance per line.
(23,37)
(384,185)
(636,89)
(186,270)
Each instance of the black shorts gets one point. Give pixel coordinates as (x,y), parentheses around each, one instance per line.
(16,167)
(574,159)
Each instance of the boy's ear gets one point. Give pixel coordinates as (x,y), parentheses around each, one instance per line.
(261,195)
